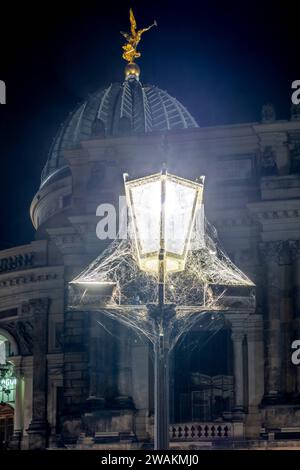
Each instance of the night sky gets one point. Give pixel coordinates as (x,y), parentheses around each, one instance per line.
(223,60)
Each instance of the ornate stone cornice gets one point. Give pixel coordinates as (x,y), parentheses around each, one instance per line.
(28,277)
(274,210)
(278,214)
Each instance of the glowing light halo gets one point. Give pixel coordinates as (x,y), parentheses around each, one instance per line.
(176,215)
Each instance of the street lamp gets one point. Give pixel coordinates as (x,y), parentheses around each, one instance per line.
(163,208)
(127,281)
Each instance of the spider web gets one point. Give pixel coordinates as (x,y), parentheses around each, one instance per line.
(114,285)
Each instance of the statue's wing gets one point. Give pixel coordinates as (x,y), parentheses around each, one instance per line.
(132,22)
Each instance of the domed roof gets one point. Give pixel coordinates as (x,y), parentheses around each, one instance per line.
(121,109)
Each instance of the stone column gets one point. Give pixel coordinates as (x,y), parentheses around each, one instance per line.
(124,398)
(295,249)
(18,417)
(96,364)
(254,333)
(255,362)
(140,384)
(27,370)
(38,428)
(75,367)
(18,413)
(54,408)
(272,252)
(237,337)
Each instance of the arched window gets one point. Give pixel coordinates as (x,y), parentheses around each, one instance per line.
(8,382)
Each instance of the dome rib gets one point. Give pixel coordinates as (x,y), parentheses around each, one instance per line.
(103,107)
(148,118)
(126,102)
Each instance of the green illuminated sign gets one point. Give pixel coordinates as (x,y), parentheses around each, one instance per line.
(7,384)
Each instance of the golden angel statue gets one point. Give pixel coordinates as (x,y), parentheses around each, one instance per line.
(133,38)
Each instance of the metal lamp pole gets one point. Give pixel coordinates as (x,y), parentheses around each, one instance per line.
(161,347)
(161,371)
(161,313)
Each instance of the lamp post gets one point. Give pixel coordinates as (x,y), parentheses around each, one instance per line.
(163,209)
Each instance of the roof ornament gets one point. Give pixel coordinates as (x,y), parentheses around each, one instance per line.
(130,53)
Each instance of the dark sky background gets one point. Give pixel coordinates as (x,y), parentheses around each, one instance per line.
(223,60)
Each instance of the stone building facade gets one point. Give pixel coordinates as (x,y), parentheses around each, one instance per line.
(85,382)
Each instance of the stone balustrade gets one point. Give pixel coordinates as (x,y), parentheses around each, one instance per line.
(201,431)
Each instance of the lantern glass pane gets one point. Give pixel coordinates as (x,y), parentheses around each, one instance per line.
(146,200)
(178,216)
